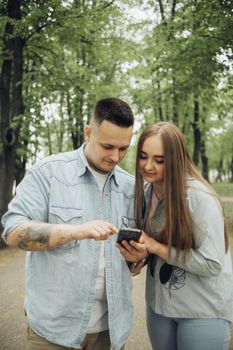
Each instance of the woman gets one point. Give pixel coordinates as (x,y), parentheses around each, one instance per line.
(189,285)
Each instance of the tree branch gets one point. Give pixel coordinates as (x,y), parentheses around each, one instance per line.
(161,8)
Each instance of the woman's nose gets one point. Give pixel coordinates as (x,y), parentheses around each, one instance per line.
(148,165)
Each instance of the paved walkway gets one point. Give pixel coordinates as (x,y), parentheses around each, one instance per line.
(227,199)
(12,320)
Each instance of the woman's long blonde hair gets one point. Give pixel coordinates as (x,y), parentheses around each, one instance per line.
(177,166)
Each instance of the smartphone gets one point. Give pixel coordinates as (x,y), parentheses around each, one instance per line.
(128,234)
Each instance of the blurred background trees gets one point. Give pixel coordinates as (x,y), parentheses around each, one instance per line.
(170,60)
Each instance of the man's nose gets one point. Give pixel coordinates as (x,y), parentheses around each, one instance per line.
(115,155)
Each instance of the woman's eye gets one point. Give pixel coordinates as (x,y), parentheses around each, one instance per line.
(142,156)
(160,161)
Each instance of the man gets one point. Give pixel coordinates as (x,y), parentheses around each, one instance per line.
(65,214)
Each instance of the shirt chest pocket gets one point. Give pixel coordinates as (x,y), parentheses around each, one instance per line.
(60,215)
(69,216)
(128,222)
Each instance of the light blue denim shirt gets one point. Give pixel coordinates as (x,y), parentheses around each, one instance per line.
(60,283)
(201,286)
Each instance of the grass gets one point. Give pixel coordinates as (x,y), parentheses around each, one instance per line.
(225,189)
(228,207)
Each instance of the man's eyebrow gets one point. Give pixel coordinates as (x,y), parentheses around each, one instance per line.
(106,144)
(110,145)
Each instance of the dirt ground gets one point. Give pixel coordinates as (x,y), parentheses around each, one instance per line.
(12,320)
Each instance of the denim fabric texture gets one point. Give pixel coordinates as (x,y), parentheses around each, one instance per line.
(60,283)
(202,285)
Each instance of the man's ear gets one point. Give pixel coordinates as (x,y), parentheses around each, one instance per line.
(87,132)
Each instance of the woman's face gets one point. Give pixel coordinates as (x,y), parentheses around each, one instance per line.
(151,161)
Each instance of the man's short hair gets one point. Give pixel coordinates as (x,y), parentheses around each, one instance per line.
(113,110)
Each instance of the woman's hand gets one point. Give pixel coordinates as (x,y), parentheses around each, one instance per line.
(133,251)
(154,247)
(135,268)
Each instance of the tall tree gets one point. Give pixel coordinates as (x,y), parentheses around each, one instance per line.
(11,101)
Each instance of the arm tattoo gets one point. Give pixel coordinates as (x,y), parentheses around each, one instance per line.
(35,238)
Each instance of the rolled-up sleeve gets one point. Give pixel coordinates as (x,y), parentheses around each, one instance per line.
(29,203)
(207,255)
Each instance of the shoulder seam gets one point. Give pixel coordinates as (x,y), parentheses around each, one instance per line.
(120,170)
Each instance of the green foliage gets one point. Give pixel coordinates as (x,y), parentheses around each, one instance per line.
(224,189)
(228,208)
(187,55)
(73,56)
(129,161)
(79,51)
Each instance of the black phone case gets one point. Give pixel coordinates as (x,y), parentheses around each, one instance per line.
(128,235)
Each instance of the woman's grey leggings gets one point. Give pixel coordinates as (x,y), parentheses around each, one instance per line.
(187,334)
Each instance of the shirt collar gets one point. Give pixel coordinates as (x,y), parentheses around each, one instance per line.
(83,165)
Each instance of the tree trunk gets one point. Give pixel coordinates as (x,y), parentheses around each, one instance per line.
(205,161)
(175,117)
(22,156)
(17,104)
(7,176)
(78,134)
(196,131)
(11,106)
(161,8)
(219,170)
(20,169)
(204,158)
(160,111)
(231,168)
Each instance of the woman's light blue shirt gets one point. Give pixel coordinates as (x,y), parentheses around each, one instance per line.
(200,286)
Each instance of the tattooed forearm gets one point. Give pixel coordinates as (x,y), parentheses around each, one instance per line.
(40,236)
(35,238)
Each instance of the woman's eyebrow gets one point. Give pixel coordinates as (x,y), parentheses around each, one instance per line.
(155,155)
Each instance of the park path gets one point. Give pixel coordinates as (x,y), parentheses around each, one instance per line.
(227,199)
(12,320)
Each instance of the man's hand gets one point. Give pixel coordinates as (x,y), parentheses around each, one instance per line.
(97,230)
(41,236)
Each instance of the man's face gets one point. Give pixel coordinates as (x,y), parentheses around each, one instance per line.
(106,146)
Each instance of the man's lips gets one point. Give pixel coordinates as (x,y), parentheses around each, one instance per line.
(111,163)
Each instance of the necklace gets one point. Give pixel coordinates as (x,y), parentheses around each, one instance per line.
(156,195)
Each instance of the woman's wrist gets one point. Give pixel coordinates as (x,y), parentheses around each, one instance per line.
(159,249)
